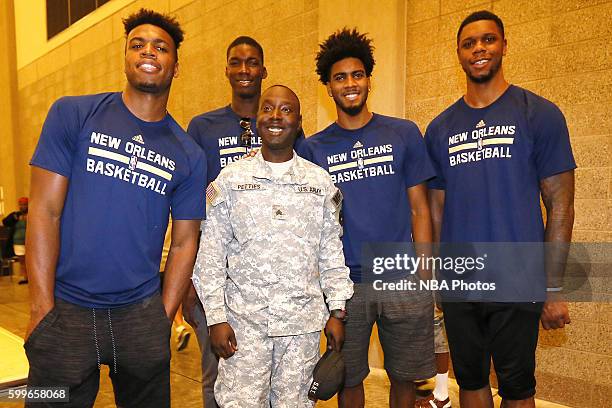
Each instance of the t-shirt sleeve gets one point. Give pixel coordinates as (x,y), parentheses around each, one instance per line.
(299,139)
(193,129)
(552,148)
(438,182)
(417,166)
(188,200)
(58,139)
(303,150)
(197,130)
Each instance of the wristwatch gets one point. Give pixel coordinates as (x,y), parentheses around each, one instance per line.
(339,314)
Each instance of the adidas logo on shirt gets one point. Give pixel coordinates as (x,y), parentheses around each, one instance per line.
(480,124)
(357,145)
(138,138)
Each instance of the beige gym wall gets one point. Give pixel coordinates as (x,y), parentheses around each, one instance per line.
(9,179)
(385,24)
(562,51)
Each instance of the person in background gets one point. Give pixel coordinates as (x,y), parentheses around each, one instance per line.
(182,332)
(439,397)
(17,222)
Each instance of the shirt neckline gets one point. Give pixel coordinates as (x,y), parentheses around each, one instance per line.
(498,100)
(162,122)
(372,119)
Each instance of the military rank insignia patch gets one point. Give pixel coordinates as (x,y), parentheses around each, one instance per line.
(212,193)
(278,212)
(337,198)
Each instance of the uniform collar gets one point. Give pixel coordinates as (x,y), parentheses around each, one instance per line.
(295,174)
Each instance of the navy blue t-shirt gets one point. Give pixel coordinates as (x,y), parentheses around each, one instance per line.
(490,162)
(373,167)
(125,177)
(218,133)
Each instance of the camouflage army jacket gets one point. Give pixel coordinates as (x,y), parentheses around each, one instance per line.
(271,247)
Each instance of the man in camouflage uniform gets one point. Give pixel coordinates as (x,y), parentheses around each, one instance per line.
(273,219)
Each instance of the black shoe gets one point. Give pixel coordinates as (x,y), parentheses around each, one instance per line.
(22,282)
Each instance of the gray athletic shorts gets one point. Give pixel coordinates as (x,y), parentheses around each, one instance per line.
(405,329)
(70,343)
(440,342)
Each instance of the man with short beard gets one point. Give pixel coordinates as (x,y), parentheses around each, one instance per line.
(380,164)
(487,189)
(108,171)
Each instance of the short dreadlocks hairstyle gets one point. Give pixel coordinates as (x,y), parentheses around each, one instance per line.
(343,44)
(478,16)
(243,39)
(163,21)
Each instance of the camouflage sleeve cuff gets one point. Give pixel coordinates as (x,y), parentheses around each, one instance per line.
(336,304)
(215,317)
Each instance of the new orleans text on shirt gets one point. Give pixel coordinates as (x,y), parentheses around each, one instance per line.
(361,162)
(230,151)
(481,143)
(130,162)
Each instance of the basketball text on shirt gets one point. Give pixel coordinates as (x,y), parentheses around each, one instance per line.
(483,143)
(135,156)
(361,163)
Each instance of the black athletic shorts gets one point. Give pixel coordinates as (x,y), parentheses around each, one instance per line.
(505,332)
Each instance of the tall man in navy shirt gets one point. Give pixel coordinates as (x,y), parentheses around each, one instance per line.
(488,190)
(226,134)
(222,133)
(106,174)
(380,164)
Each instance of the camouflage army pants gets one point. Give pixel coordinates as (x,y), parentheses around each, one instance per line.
(267,371)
